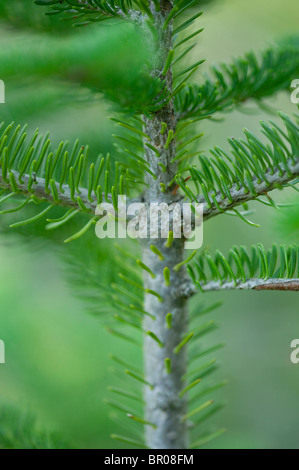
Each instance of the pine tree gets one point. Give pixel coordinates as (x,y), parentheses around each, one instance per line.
(160,110)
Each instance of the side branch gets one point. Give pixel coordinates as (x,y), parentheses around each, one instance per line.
(188,289)
(231,85)
(253,167)
(239,196)
(257,268)
(64,196)
(62,177)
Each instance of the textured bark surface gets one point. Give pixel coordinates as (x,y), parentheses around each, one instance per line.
(187,288)
(164,407)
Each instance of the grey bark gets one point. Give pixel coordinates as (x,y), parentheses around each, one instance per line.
(164,407)
(188,289)
(38,189)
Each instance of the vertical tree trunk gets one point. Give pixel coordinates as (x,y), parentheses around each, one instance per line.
(164,406)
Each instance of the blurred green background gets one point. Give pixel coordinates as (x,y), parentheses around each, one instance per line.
(57,355)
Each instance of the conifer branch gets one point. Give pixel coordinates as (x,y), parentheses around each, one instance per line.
(62,177)
(188,289)
(87,11)
(20,431)
(248,77)
(252,169)
(257,269)
(240,196)
(64,197)
(91,60)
